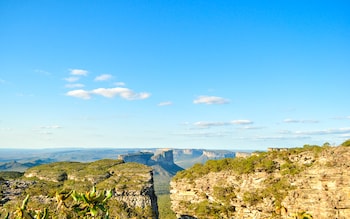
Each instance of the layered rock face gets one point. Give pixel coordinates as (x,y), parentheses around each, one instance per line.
(278,184)
(131,183)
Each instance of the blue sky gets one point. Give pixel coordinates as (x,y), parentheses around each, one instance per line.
(183,74)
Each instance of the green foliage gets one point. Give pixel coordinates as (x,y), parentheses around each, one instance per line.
(302,215)
(7,175)
(224,194)
(262,161)
(211,210)
(164,207)
(87,205)
(289,168)
(24,213)
(73,201)
(346,143)
(252,197)
(280,165)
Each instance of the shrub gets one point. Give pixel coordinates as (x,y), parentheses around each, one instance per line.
(346,143)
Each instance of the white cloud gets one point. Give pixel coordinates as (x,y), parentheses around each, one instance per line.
(83,94)
(341,117)
(124,93)
(72,79)
(279,137)
(210,100)
(166,103)
(205,124)
(103,77)
(204,134)
(210,124)
(252,127)
(120,84)
(79,72)
(299,121)
(74,85)
(242,122)
(51,127)
(324,132)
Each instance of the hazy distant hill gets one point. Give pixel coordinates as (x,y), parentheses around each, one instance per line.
(21,167)
(186,158)
(21,159)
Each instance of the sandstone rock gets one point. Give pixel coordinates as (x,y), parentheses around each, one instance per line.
(316,182)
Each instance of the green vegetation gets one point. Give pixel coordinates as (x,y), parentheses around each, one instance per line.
(164,207)
(259,162)
(302,215)
(87,205)
(346,143)
(66,182)
(281,165)
(7,175)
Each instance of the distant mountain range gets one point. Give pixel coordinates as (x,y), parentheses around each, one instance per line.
(20,160)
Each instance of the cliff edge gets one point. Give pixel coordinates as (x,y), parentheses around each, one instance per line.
(131,183)
(293,183)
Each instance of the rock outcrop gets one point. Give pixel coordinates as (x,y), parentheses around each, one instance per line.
(277,184)
(162,161)
(132,185)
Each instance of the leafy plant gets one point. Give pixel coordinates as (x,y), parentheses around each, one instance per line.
(24,213)
(302,215)
(86,205)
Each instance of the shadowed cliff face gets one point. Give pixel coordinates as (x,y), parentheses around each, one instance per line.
(277,184)
(131,183)
(162,162)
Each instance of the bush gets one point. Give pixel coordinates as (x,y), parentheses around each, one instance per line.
(346,143)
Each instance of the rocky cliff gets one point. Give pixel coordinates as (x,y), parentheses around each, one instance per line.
(294,183)
(131,183)
(162,163)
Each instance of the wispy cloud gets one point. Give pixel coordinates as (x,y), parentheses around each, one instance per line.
(242,122)
(74,85)
(103,77)
(318,132)
(324,132)
(42,72)
(251,127)
(5,129)
(278,137)
(2,81)
(120,84)
(79,72)
(124,93)
(210,100)
(51,127)
(210,124)
(204,134)
(83,94)
(166,103)
(341,117)
(205,124)
(72,79)
(300,121)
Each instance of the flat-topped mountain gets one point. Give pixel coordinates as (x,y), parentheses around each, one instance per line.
(162,163)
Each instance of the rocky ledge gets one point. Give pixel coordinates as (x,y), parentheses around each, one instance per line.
(294,183)
(131,183)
